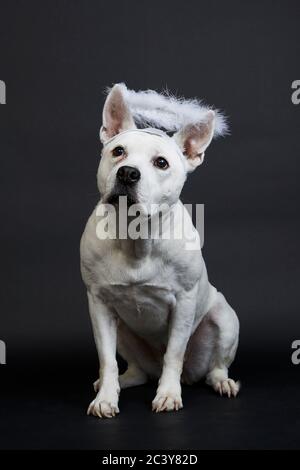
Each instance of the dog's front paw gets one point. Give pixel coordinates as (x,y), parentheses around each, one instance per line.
(227,387)
(104,406)
(167,401)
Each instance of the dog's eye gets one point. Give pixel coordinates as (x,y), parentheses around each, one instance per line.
(118,151)
(161,163)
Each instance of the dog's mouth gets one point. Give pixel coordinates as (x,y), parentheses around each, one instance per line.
(128,195)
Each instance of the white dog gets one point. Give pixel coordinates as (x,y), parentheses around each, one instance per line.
(150,299)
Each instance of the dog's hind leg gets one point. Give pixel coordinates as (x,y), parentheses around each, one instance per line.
(212,349)
(143,360)
(132,377)
(227,324)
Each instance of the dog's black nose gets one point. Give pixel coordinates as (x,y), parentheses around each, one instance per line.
(128,174)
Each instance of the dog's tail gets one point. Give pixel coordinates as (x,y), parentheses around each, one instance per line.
(168,112)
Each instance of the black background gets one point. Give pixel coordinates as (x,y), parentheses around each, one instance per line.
(56,58)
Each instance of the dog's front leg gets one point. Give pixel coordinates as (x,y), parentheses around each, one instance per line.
(168,394)
(104,322)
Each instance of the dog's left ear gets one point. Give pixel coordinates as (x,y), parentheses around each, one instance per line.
(194,139)
(116,114)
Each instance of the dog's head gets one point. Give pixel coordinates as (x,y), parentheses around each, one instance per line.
(147,165)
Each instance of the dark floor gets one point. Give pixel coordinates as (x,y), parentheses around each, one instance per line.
(43,406)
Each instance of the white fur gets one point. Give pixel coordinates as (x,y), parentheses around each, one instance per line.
(151,299)
(168,112)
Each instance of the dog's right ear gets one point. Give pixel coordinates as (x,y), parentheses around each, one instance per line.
(116,114)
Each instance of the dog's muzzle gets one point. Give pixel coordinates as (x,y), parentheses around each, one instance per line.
(125,185)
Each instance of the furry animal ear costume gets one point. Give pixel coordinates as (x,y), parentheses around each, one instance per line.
(166,111)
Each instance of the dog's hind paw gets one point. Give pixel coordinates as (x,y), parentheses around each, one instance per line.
(227,387)
(131,378)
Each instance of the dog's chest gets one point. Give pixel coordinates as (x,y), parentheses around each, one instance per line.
(144,308)
(142,296)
